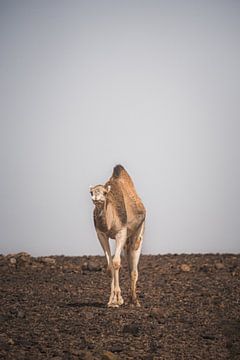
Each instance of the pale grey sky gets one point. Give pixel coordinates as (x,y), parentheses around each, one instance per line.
(153,85)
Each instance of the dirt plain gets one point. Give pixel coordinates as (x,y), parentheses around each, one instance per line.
(55,308)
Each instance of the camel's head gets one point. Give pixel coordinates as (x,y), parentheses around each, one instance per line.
(99,193)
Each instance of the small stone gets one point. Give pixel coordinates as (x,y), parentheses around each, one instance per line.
(85,266)
(48,260)
(108,355)
(8,256)
(10,341)
(219,266)
(37,265)
(89,316)
(185,267)
(23,259)
(133,329)
(23,254)
(20,314)
(116,348)
(71,268)
(157,313)
(204,268)
(91,266)
(83,354)
(12,261)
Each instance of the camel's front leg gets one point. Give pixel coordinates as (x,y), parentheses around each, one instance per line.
(116,297)
(104,241)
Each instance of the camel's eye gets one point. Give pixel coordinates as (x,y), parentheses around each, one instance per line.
(91,193)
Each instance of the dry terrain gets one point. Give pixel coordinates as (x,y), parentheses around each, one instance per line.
(55,308)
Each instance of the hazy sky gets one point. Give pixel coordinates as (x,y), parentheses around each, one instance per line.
(152,85)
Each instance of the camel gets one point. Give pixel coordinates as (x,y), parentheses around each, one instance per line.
(119,214)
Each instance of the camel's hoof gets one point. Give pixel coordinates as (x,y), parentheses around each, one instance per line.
(112,305)
(116,301)
(120,301)
(135,303)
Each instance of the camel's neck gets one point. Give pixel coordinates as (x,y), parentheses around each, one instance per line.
(100,208)
(102,220)
(100,213)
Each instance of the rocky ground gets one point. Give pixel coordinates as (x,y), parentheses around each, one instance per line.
(55,308)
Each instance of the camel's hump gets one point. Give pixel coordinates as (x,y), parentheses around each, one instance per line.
(117,170)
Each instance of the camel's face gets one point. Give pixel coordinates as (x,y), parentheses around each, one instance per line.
(98,194)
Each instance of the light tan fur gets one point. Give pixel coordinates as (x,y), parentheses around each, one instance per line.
(119,214)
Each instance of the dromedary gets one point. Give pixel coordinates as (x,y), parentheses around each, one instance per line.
(119,214)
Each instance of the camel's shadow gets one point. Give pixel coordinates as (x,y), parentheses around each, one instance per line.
(84,304)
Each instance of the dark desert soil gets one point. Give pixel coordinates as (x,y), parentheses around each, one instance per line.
(55,308)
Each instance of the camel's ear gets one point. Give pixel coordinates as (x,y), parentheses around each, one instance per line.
(108,188)
(90,188)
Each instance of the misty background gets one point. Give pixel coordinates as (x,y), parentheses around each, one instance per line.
(152,85)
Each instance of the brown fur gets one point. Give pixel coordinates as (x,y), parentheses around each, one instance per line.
(124,192)
(122,207)
(110,216)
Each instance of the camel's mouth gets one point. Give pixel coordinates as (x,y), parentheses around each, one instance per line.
(98,202)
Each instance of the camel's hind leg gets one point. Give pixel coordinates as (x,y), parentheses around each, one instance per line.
(133,255)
